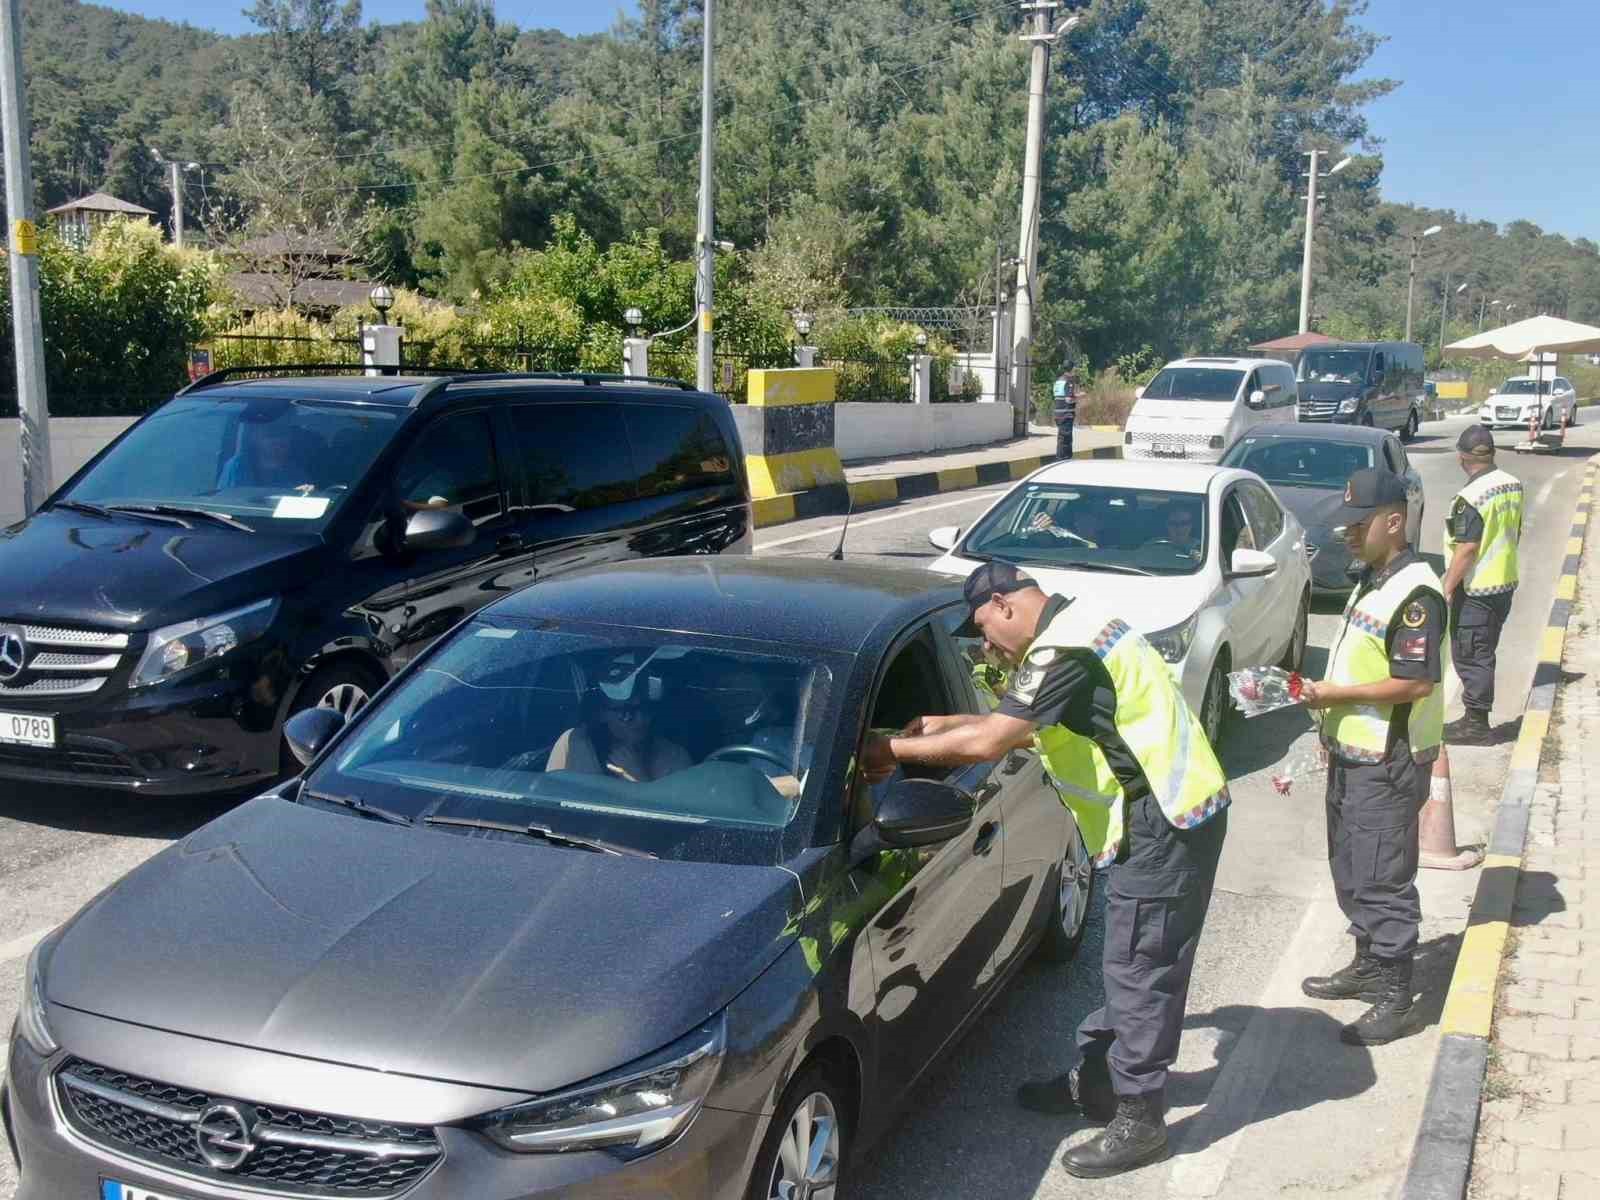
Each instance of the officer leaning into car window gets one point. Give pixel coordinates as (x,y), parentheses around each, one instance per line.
(1130,759)
(1382,724)
(1480,549)
(1065,409)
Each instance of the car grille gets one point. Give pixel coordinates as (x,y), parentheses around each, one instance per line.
(1318,410)
(63,662)
(296,1152)
(102,764)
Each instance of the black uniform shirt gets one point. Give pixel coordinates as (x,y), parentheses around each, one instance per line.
(1414,639)
(1466,523)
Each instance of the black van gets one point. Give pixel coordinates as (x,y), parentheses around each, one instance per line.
(1364,383)
(257,546)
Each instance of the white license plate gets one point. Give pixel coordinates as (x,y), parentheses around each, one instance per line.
(1168,450)
(27,729)
(110,1189)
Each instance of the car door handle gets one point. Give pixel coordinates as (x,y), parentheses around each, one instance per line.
(985,842)
(1015,761)
(987,792)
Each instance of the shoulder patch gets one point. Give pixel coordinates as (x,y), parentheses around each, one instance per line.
(1415,616)
(1044,657)
(1460,506)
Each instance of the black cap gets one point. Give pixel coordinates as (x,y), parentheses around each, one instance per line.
(992,578)
(1368,490)
(1477,441)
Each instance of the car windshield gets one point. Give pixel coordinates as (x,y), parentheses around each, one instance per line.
(1295,462)
(273,464)
(1523,387)
(1114,529)
(1193,383)
(673,745)
(1333,366)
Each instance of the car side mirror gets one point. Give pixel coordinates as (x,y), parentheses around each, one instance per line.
(1249,564)
(945,537)
(308,731)
(439,529)
(1257,398)
(914,812)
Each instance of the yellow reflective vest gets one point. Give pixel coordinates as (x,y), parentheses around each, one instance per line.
(1498,498)
(1360,732)
(1152,717)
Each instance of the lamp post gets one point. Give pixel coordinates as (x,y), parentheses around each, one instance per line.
(382,299)
(1311,226)
(805,354)
(1444,314)
(635,349)
(380,343)
(1411,281)
(1484,305)
(921,370)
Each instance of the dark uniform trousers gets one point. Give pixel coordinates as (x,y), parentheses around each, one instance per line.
(1063,438)
(1373,810)
(1156,901)
(1475,625)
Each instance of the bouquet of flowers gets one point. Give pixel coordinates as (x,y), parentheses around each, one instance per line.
(1258,690)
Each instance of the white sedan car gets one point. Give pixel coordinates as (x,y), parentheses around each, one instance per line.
(1202,560)
(1521,399)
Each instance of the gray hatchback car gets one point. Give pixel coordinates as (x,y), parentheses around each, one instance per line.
(588,902)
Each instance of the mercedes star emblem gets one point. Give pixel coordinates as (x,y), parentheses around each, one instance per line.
(224,1138)
(13,654)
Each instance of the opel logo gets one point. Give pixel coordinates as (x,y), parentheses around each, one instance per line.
(13,654)
(223,1136)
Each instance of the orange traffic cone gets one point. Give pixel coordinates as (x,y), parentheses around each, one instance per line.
(1437,825)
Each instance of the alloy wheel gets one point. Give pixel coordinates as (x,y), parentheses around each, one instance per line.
(808,1156)
(345,698)
(1212,705)
(1077,876)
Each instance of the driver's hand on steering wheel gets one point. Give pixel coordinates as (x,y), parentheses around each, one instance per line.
(1041,522)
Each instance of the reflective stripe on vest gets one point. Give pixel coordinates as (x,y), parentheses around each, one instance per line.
(1498,498)
(1360,732)
(1153,719)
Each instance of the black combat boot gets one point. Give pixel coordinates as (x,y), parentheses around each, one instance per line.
(1136,1137)
(1392,1016)
(1085,1090)
(1360,980)
(1470,730)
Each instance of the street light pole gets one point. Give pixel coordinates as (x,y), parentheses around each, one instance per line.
(32,403)
(705,350)
(1411,280)
(1040,38)
(1444,316)
(1311,229)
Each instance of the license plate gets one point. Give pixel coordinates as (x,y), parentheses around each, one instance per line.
(110,1189)
(1168,450)
(26,729)
(1507,414)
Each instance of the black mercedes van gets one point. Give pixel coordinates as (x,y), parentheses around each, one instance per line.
(1364,383)
(260,545)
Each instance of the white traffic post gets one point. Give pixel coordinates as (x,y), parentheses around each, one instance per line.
(380,347)
(636,357)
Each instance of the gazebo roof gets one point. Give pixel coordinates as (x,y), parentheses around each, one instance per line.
(1298,341)
(104,203)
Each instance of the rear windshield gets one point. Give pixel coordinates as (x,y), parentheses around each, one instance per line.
(1194,383)
(278,465)
(1334,366)
(1296,463)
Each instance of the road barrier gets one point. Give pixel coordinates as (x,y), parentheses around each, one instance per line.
(1441,1157)
(788,432)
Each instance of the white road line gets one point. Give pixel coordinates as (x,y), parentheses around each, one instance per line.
(1217,1132)
(897,515)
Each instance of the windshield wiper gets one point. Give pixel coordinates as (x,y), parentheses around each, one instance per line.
(83,506)
(1119,568)
(177,511)
(542,832)
(358,805)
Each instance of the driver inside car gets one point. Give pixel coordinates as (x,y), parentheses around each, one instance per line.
(752,712)
(619,738)
(1180,531)
(271,453)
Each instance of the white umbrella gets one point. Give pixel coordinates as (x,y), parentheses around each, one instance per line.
(1532,335)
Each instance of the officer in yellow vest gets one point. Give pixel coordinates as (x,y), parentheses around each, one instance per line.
(1130,759)
(1480,579)
(1382,724)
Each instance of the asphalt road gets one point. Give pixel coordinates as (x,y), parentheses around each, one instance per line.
(1265,1101)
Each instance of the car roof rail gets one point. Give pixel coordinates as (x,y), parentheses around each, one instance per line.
(293,370)
(588,378)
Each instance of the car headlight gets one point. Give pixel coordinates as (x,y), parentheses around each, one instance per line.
(177,648)
(631,1112)
(1350,405)
(1173,643)
(32,1024)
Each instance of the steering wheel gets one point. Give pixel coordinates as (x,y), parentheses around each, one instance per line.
(750,752)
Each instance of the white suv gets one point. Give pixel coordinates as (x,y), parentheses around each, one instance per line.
(1521,399)
(1195,408)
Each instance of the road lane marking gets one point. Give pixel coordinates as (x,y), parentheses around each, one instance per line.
(897,515)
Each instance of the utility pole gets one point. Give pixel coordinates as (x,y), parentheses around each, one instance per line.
(705,275)
(1411,278)
(1305,262)
(1040,37)
(32,404)
(177,205)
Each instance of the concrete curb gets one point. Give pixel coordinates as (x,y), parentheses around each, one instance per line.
(1441,1156)
(839,498)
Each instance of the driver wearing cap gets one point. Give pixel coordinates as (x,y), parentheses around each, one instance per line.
(1131,761)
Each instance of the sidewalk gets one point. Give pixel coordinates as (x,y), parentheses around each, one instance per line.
(1539,1130)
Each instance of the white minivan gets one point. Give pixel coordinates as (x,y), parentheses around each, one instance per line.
(1195,408)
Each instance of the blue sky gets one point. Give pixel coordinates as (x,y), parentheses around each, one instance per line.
(1495,116)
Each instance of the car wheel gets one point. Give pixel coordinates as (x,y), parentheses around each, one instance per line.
(1069,915)
(1549,419)
(344,687)
(1295,656)
(1409,433)
(803,1155)
(1215,705)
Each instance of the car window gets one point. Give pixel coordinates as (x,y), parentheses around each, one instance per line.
(1284,377)
(573,456)
(1297,462)
(1333,366)
(1194,383)
(1235,533)
(1118,530)
(452,465)
(1563,385)
(676,449)
(1265,517)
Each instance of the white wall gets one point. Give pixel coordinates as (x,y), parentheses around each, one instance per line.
(889,430)
(73,442)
